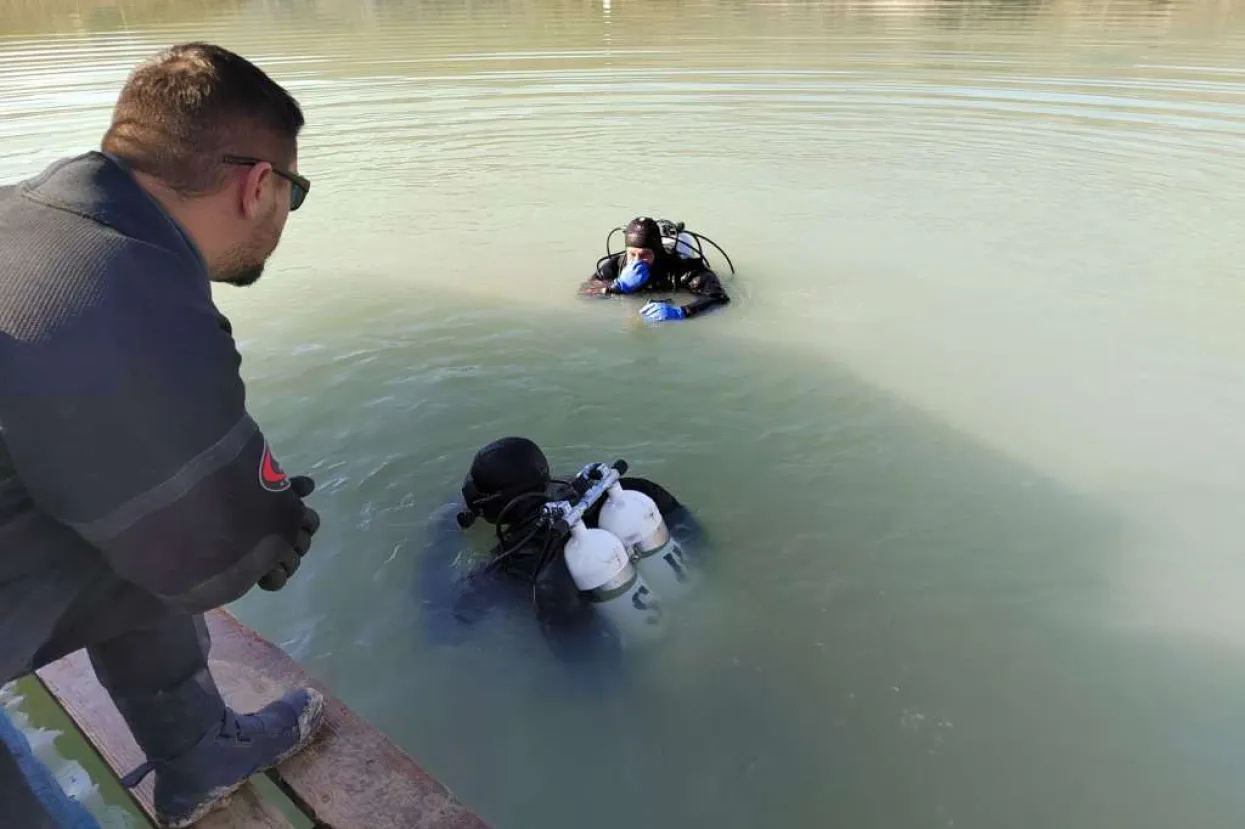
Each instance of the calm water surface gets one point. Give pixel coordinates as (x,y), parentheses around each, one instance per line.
(967,443)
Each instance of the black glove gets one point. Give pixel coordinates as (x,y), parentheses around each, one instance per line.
(291,555)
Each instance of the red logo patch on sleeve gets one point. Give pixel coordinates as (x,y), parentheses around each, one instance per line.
(271,476)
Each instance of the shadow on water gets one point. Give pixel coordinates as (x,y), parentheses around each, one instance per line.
(905,628)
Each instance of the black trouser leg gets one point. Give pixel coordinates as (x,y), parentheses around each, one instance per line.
(152,660)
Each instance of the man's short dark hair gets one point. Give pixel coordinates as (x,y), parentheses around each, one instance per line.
(184,108)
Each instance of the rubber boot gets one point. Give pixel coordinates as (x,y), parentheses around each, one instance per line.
(201,751)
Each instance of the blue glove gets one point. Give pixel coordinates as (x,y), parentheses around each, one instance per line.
(633,277)
(662,312)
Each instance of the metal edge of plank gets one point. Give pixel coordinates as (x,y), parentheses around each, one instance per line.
(72,684)
(351,776)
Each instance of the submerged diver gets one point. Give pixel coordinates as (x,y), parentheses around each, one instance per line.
(660,256)
(538,558)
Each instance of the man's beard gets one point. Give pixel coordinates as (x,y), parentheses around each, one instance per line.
(241,276)
(244,264)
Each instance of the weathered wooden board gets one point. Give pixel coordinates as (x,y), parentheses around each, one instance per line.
(349,777)
(71,681)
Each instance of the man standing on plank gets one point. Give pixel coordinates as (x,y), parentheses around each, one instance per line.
(136,492)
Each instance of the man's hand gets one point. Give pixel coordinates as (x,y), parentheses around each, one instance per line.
(633,277)
(662,312)
(595,287)
(290,557)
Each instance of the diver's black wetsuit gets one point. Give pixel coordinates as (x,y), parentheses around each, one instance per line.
(670,273)
(454,597)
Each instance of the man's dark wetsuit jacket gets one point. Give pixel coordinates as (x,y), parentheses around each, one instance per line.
(125,442)
(671,273)
(453,599)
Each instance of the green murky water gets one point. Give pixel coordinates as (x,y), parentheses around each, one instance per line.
(966,442)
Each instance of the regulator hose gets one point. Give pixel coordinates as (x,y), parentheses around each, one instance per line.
(609,252)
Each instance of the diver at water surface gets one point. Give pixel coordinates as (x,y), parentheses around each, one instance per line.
(596,555)
(660,257)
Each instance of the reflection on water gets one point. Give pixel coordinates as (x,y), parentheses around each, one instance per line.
(34,17)
(965,442)
(56,742)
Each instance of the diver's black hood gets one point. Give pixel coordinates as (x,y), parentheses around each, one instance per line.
(501,471)
(643,232)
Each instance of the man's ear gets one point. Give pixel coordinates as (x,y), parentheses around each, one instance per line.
(258,176)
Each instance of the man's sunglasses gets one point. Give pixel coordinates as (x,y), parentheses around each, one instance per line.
(300,186)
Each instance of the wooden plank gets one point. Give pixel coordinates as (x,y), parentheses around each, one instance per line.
(351,776)
(72,682)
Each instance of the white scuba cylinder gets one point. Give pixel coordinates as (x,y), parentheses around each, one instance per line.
(635,519)
(600,566)
(682,245)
